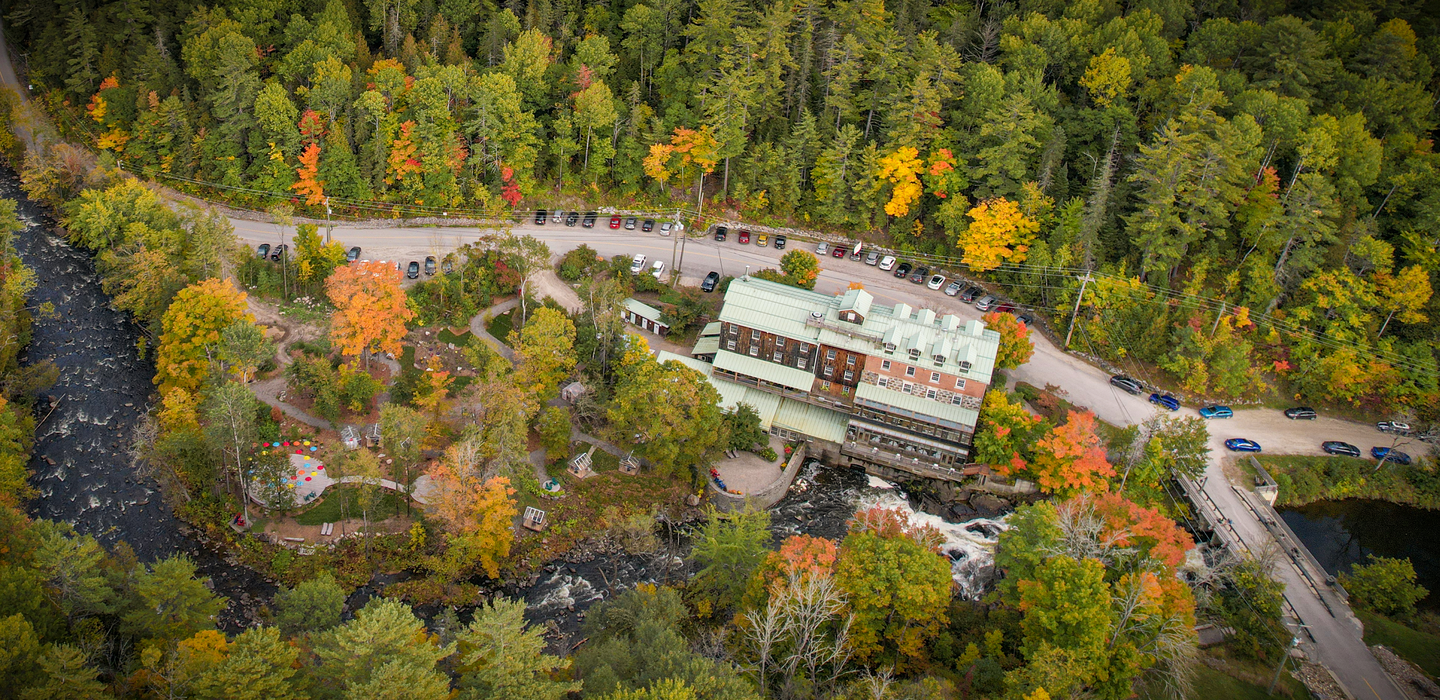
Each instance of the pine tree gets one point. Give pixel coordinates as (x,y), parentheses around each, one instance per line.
(80,37)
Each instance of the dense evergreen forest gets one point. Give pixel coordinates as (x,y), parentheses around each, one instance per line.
(1255,181)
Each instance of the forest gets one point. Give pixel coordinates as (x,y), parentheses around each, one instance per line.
(1254,183)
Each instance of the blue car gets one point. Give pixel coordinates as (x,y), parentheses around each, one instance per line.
(1217,412)
(1242,445)
(1396,456)
(1165,400)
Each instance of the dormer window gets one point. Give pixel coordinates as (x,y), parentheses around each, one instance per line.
(964,365)
(939,359)
(915,354)
(889,347)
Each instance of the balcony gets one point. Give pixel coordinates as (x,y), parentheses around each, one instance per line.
(914,463)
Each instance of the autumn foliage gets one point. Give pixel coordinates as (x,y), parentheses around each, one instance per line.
(477,510)
(370,311)
(1129,524)
(191,328)
(306,176)
(902,169)
(1016,347)
(999,233)
(1069,459)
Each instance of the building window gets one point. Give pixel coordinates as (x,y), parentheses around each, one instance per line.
(884,364)
(849,376)
(964,365)
(850,360)
(908,386)
(915,354)
(800,363)
(730,344)
(734,329)
(929,393)
(909,371)
(829,370)
(779,342)
(959,383)
(754,350)
(889,347)
(830,354)
(956,400)
(754,335)
(804,347)
(779,356)
(935,377)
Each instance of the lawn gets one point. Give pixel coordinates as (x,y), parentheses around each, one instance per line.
(1217,685)
(445,336)
(1420,648)
(501,325)
(340,502)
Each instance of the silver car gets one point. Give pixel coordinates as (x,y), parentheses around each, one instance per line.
(985,303)
(872,258)
(665,227)
(822,249)
(953,289)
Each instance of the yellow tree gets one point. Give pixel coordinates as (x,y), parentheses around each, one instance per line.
(1108,77)
(476,509)
(902,169)
(435,389)
(689,153)
(545,351)
(190,333)
(370,311)
(999,232)
(1404,295)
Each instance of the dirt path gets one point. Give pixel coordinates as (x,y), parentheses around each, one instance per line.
(477,327)
(268,314)
(549,284)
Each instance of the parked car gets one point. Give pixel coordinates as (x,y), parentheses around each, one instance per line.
(630,223)
(708,284)
(762,240)
(838,252)
(744,237)
(822,249)
(1129,385)
(887,263)
(648,226)
(872,258)
(1006,308)
(1217,412)
(571,218)
(936,281)
(263,250)
(557,217)
(657,268)
(1391,426)
(665,227)
(353,254)
(1026,319)
(1300,413)
(1344,449)
(429,265)
(637,264)
(903,270)
(589,221)
(540,217)
(953,289)
(277,252)
(447,266)
(1391,455)
(720,233)
(1165,400)
(920,275)
(971,293)
(412,270)
(780,242)
(615,222)
(855,255)
(986,302)
(1242,445)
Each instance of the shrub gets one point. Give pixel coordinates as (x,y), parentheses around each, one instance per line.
(1384,585)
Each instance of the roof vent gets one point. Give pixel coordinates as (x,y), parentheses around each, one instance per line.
(816,315)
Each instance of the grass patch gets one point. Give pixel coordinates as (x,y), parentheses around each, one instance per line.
(1245,681)
(1308,479)
(603,461)
(340,502)
(445,336)
(1419,648)
(501,325)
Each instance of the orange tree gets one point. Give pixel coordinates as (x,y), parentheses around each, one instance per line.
(1068,460)
(475,508)
(999,232)
(370,310)
(1016,348)
(190,333)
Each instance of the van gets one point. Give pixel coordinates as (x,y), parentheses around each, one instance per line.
(637,264)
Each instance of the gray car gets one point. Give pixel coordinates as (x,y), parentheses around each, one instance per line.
(985,303)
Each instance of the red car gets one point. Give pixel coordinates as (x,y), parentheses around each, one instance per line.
(614,222)
(839,251)
(744,237)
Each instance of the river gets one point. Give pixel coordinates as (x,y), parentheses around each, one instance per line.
(1340,533)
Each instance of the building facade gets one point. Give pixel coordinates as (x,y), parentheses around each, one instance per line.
(905,384)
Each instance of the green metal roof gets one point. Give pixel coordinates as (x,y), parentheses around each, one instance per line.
(711,328)
(917,404)
(706,346)
(642,310)
(698,365)
(732,395)
(797,379)
(819,423)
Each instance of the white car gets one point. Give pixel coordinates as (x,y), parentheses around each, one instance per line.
(887,263)
(822,249)
(558,217)
(665,227)
(658,269)
(637,264)
(936,282)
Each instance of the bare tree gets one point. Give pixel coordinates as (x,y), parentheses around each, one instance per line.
(803,626)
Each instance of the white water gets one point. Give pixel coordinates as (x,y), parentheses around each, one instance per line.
(970,545)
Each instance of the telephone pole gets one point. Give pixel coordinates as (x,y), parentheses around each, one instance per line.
(1083,281)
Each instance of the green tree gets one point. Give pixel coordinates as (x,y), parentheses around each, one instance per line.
(20,653)
(673,412)
(897,585)
(229,413)
(554,428)
(68,676)
(384,652)
(244,347)
(501,657)
(258,665)
(311,606)
(1384,585)
(190,335)
(544,352)
(166,601)
(801,267)
(729,548)
(744,427)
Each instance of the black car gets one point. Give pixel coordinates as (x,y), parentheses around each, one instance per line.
(1344,449)
(278,253)
(540,216)
(413,270)
(921,274)
(630,224)
(1128,384)
(429,265)
(970,294)
(779,243)
(571,218)
(648,226)
(263,250)
(1026,319)
(353,254)
(902,270)
(1300,413)
(589,221)
(720,232)
(708,285)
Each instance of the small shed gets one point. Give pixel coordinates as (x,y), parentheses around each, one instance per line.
(580,464)
(372,435)
(629,465)
(644,316)
(534,519)
(572,391)
(350,437)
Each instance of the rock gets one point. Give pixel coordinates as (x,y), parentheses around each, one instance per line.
(988,504)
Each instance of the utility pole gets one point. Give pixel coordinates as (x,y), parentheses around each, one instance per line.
(1217,320)
(1083,281)
(1294,642)
(329,223)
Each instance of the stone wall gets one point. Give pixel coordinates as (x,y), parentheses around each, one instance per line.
(765,497)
